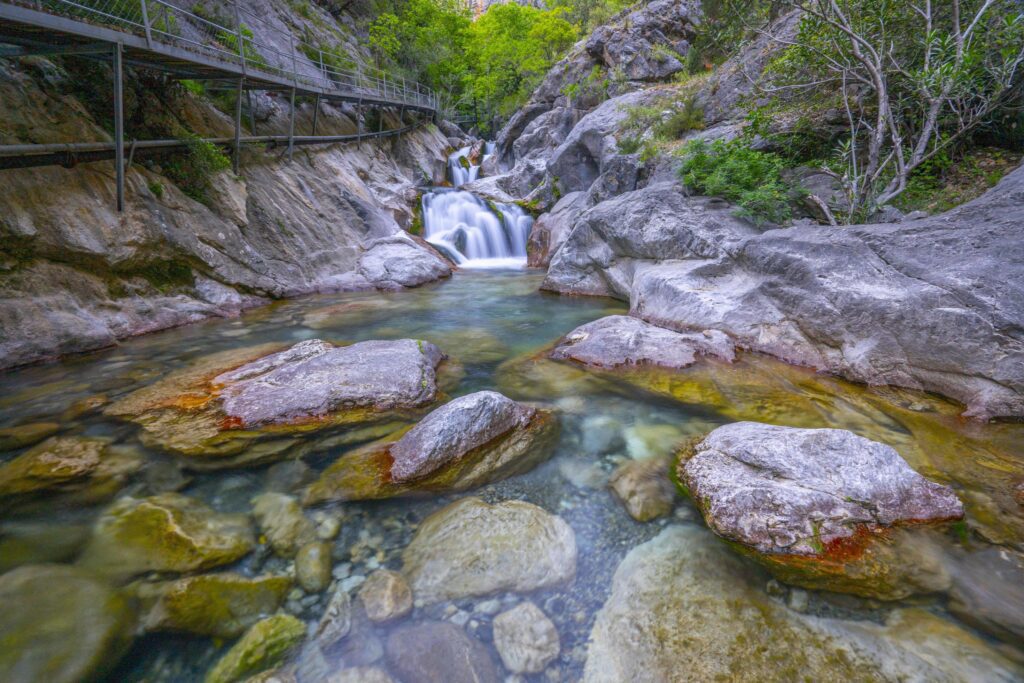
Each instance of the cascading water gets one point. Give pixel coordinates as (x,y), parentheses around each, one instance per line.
(474,233)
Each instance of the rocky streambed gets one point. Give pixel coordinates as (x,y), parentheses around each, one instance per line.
(478,481)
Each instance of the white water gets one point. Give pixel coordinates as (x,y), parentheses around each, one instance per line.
(469,231)
(460,174)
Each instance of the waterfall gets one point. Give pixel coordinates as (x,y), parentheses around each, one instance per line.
(472,233)
(460,174)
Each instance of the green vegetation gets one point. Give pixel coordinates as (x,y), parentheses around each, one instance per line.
(941,183)
(157,188)
(656,128)
(193,171)
(748,178)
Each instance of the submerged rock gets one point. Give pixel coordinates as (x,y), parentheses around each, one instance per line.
(683,608)
(281,520)
(812,505)
(438,652)
(13,438)
(61,624)
(988,591)
(385,596)
(86,469)
(644,488)
(470,548)
(165,533)
(265,644)
(313,566)
(526,639)
(248,406)
(619,340)
(336,621)
(217,605)
(471,441)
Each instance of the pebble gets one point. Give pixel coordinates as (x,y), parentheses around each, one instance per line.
(328,529)
(489,607)
(342,571)
(798,600)
(313,567)
(460,618)
(352,582)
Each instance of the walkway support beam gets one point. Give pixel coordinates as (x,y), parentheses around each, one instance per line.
(316,112)
(291,127)
(119,123)
(236,161)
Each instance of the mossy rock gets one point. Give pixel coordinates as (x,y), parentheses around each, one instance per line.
(365,473)
(217,605)
(85,469)
(13,438)
(165,533)
(263,646)
(61,624)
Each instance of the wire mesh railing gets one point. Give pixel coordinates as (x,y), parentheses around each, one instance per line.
(231,33)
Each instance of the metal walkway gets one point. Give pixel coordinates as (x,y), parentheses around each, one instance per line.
(228,45)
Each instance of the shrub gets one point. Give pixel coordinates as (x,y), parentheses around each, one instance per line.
(749,179)
(192,171)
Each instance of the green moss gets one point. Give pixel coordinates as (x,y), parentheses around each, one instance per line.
(264,645)
(157,188)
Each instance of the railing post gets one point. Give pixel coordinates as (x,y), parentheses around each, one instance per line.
(359,124)
(316,112)
(145,23)
(295,66)
(252,112)
(323,70)
(237,160)
(291,128)
(241,36)
(119,125)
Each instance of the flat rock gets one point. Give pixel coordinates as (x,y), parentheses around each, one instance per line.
(165,533)
(526,639)
(248,406)
(464,453)
(470,548)
(438,652)
(385,596)
(620,340)
(683,607)
(20,436)
(61,625)
(811,501)
(453,430)
(263,646)
(281,520)
(644,488)
(217,605)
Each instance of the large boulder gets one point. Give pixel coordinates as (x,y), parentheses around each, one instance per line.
(470,548)
(246,406)
(220,605)
(472,440)
(61,624)
(620,340)
(616,239)
(165,533)
(82,469)
(683,607)
(551,229)
(398,261)
(438,652)
(816,505)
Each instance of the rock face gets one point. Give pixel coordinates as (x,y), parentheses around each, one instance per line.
(620,340)
(385,596)
(77,275)
(644,488)
(165,533)
(244,406)
(61,625)
(931,304)
(217,605)
(265,644)
(811,501)
(438,652)
(470,548)
(526,639)
(469,442)
(453,430)
(86,469)
(683,607)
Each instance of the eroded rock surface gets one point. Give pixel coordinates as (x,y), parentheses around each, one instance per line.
(810,502)
(621,340)
(470,548)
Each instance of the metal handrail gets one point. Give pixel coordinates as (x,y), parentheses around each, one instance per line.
(161,22)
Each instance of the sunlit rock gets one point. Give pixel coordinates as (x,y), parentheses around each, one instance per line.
(683,607)
(472,440)
(218,605)
(266,643)
(470,548)
(165,533)
(438,652)
(819,507)
(248,406)
(61,625)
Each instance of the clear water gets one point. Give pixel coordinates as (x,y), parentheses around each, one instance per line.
(496,323)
